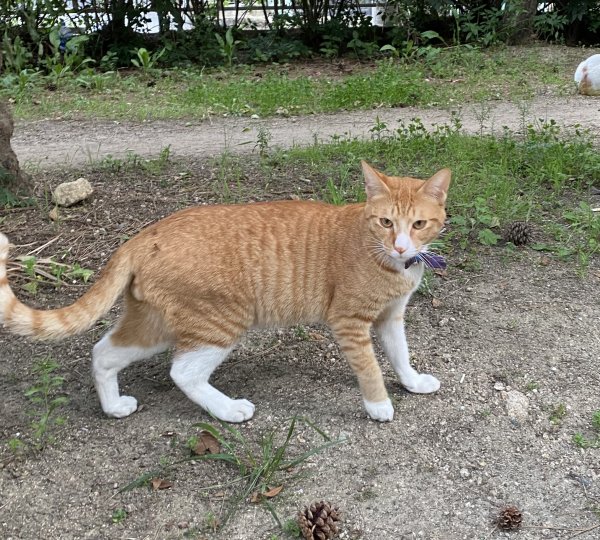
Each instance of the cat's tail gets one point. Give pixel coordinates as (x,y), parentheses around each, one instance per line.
(56,324)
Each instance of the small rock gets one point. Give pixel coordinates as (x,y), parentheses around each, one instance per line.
(464,473)
(499,386)
(255,117)
(517,405)
(444,321)
(53,214)
(69,193)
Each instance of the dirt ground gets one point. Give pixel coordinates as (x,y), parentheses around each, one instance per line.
(67,142)
(441,470)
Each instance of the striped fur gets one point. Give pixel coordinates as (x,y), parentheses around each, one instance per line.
(200,278)
(60,323)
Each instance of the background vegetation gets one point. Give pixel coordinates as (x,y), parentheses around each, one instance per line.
(55,38)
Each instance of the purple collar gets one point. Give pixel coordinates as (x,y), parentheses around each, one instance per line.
(431,260)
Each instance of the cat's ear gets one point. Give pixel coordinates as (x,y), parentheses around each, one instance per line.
(374,184)
(437,186)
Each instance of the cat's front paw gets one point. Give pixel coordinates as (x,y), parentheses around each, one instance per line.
(422,384)
(122,407)
(382,411)
(235,411)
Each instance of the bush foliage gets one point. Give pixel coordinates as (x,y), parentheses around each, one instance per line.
(52,35)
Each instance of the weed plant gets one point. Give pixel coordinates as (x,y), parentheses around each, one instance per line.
(450,76)
(37,271)
(594,440)
(258,465)
(47,398)
(496,179)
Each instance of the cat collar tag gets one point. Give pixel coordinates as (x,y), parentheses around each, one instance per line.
(431,260)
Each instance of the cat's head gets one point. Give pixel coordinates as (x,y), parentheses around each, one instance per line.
(403,214)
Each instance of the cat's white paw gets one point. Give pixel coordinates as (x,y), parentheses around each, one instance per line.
(382,411)
(422,384)
(121,408)
(235,411)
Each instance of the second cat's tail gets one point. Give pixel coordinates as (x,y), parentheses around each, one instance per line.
(56,324)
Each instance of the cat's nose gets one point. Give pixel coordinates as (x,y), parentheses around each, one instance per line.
(400,249)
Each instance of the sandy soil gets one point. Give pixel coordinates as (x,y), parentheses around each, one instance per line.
(441,470)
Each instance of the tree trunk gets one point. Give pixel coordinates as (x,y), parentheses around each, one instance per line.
(12,179)
(520,16)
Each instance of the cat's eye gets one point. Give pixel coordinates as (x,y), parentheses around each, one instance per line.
(387,223)
(419,224)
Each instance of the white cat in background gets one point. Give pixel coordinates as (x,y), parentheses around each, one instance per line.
(587,76)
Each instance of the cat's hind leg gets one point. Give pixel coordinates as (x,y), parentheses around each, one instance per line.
(140,334)
(191,371)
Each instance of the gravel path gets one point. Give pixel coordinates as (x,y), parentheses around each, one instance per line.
(68,142)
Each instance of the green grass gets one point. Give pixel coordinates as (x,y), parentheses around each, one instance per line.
(119,515)
(47,398)
(540,177)
(558,413)
(594,440)
(455,75)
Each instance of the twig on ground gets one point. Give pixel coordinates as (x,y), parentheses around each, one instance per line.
(583,531)
(255,355)
(577,532)
(495,528)
(44,246)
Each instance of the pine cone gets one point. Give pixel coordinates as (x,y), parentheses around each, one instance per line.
(519,233)
(510,518)
(319,521)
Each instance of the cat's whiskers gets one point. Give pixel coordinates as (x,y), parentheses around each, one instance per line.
(379,255)
(377,249)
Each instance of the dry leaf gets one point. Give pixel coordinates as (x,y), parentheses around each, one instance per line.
(207,444)
(256,496)
(273,492)
(436,303)
(159,483)
(316,336)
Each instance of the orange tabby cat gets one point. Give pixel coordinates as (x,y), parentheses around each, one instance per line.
(200,278)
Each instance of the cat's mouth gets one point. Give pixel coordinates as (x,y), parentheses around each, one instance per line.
(403,257)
